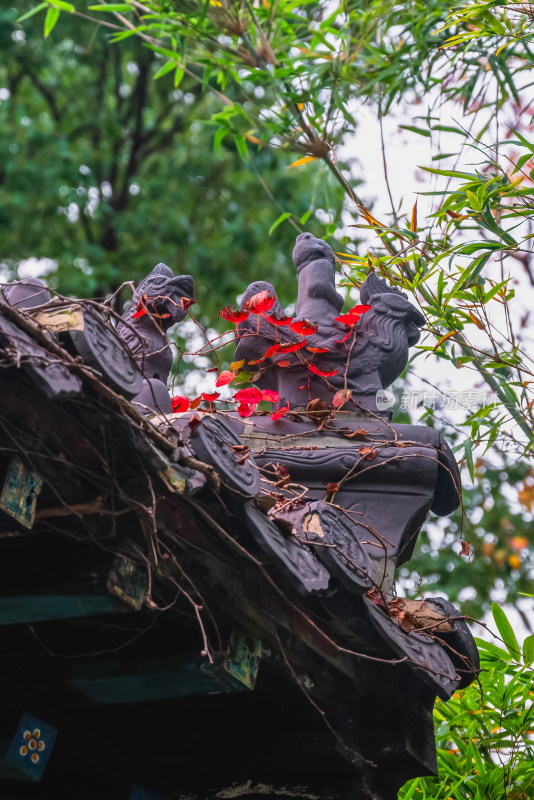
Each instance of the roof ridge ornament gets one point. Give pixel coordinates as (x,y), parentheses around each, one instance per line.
(322,351)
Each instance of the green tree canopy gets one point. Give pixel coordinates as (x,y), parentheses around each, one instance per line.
(108,171)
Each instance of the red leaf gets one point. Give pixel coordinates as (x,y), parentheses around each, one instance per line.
(141,304)
(290,347)
(248,396)
(342,341)
(187,302)
(141,313)
(179,404)
(259,303)
(210,396)
(280,413)
(359,309)
(319,408)
(304,327)
(270,396)
(225,377)
(377,597)
(195,403)
(367,452)
(160,316)
(332,488)
(348,319)
(269,352)
(194,422)
(323,373)
(283,363)
(257,361)
(283,347)
(465,548)
(233,314)
(246,410)
(341,397)
(359,434)
(317,349)
(278,320)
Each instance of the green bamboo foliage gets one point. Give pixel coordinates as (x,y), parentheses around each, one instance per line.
(485,733)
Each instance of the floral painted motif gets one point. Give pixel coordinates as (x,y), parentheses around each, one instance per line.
(33,745)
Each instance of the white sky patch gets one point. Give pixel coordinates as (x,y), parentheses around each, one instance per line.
(36,267)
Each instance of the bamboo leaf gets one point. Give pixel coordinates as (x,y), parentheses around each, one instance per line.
(528,649)
(217,141)
(522,161)
(413,221)
(242,149)
(409,792)
(279,221)
(164,69)
(52,16)
(33,11)
(413,129)
(448,129)
(300,161)
(469,458)
(505,629)
(254,139)
(449,173)
(524,141)
(444,338)
(62,5)
(476,320)
(121,35)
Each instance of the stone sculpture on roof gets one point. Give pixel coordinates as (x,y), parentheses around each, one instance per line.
(369,484)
